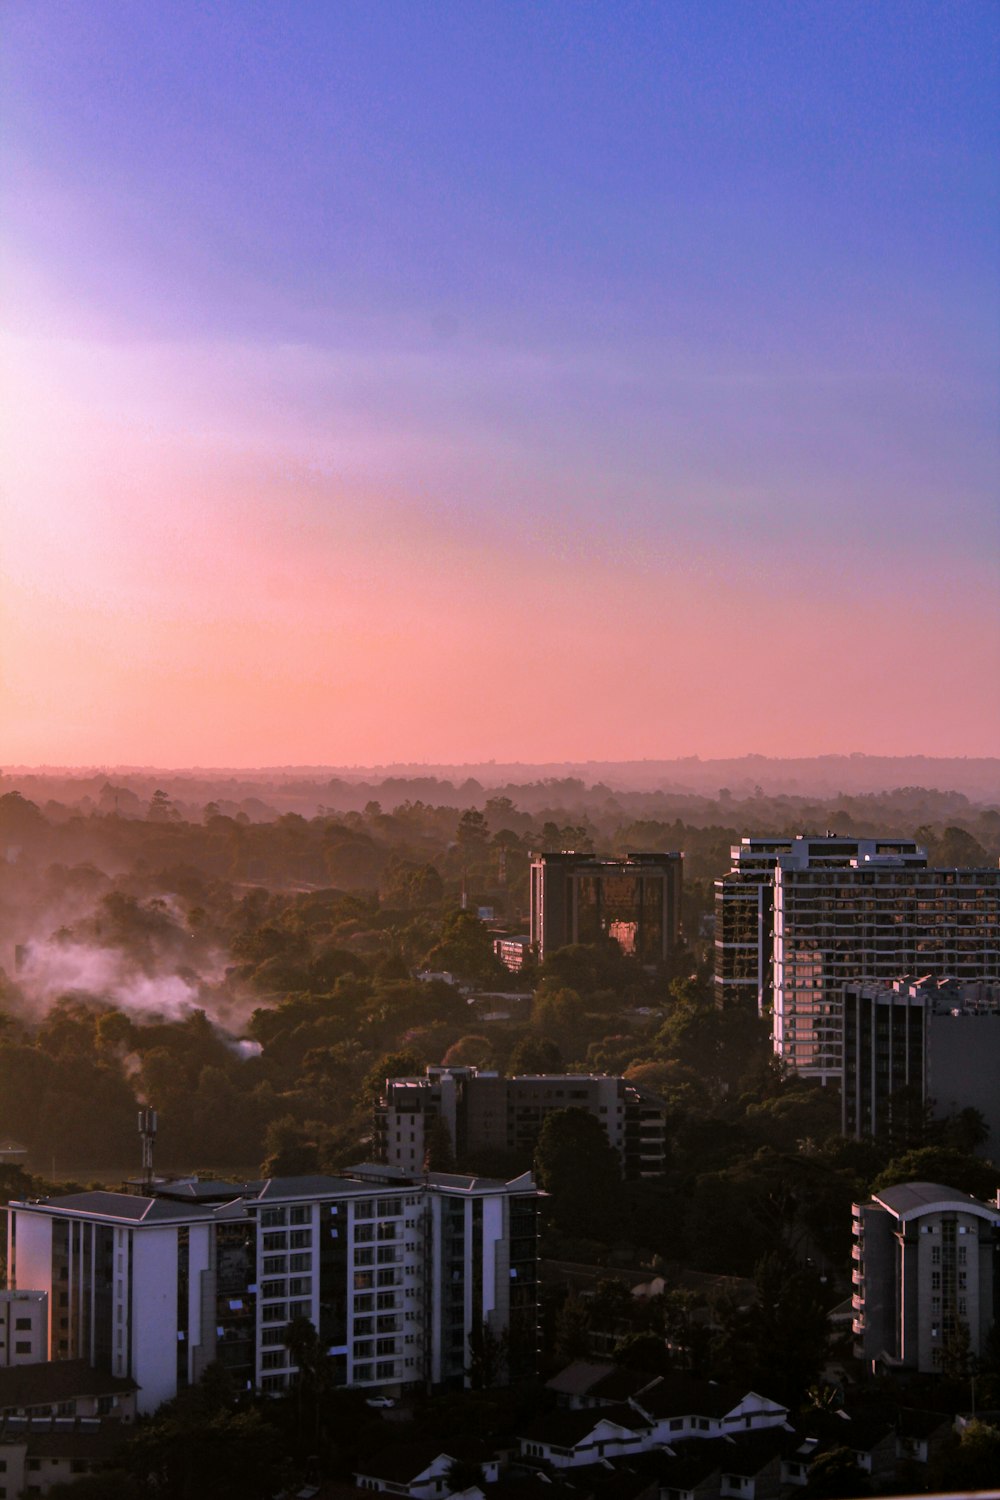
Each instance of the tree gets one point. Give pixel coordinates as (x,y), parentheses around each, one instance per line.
(439,1155)
(645,1351)
(534,1054)
(464,1475)
(572,1333)
(835,1475)
(941,1164)
(402,1064)
(487,1356)
(469,1051)
(971,1462)
(576,1165)
(291,1150)
(777,1345)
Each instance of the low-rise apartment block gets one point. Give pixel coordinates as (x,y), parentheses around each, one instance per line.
(396,1273)
(485,1112)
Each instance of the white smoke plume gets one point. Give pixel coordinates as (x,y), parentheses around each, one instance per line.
(49,970)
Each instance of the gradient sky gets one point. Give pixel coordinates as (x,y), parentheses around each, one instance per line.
(462,380)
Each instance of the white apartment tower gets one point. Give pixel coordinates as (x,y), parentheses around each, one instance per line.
(925,1266)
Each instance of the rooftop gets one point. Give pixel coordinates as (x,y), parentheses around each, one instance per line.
(48,1384)
(907,1200)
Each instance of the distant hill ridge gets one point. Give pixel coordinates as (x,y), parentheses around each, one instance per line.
(977,778)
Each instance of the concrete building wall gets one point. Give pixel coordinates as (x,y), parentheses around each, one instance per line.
(24,1327)
(154,1315)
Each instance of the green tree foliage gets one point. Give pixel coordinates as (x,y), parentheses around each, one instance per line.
(643,1351)
(290,1150)
(940,1164)
(466,949)
(778,1344)
(575,1164)
(970,1462)
(534,1054)
(488,1355)
(439,1155)
(836,1475)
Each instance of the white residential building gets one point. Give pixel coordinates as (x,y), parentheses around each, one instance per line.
(396,1273)
(925,1267)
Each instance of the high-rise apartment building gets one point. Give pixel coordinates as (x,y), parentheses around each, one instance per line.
(835,909)
(926,1261)
(939,1040)
(744,903)
(578,898)
(484,1112)
(396,1273)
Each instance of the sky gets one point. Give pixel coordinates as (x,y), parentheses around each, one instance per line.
(453,381)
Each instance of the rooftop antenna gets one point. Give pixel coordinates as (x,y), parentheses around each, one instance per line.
(147,1134)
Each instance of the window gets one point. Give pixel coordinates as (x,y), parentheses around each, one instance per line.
(273,1359)
(363,1326)
(275,1264)
(300,1263)
(22,1325)
(300,1215)
(272,1217)
(22,1346)
(300,1239)
(299,1286)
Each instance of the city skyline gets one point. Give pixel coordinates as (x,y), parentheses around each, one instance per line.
(464,383)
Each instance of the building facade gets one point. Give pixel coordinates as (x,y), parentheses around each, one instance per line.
(578,898)
(827,910)
(397,1274)
(24,1328)
(939,1040)
(485,1112)
(926,1268)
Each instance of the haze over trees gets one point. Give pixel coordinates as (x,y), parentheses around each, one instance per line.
(256,980)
